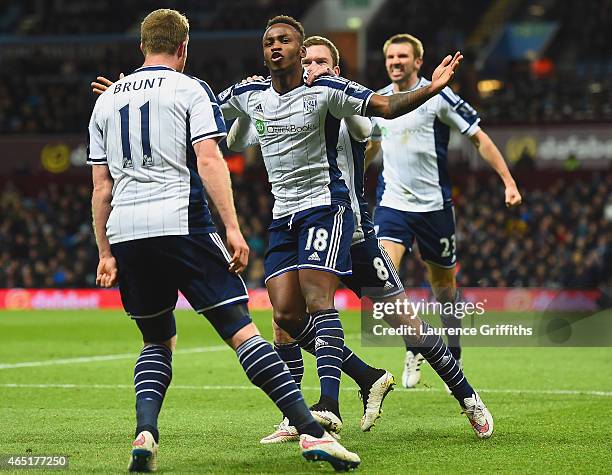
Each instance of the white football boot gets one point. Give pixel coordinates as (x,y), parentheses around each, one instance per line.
(479,416)
(412,369)
(373,401)
(144,453)
(328,420)
(283,433)
(328,449)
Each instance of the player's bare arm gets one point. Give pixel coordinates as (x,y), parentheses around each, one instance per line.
(397,105)
(491,154)
(372,150)
(106,275)
(216,179)
(391,107)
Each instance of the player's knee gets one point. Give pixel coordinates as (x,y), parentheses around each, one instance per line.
(443,284)
(170,343)
(444,292)
(159,330)
(229,319)
(281,336)
(245,333)
(287,320)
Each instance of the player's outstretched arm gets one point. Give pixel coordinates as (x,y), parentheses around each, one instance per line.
(216,178)
(397,105)
(101,84)
(491,154)
(106,275)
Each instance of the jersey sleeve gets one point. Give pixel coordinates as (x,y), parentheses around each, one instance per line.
(96,153)
(242,134)
(457,113)
(205,118)
(344,97)
(376,130)
(233,102)
(360,128)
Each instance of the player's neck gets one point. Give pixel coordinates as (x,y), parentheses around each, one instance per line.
(287,80)
(160,60)
(406,85)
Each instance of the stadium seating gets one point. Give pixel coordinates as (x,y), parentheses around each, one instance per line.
(559,237)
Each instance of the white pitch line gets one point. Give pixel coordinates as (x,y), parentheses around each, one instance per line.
(91,359)
(552,392)
(123,356)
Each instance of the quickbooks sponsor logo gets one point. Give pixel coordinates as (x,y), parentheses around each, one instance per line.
(262,128)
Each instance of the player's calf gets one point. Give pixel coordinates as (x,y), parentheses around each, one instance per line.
(153,370)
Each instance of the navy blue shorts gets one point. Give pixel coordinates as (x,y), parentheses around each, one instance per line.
(318,238)
(153,270)
(373,273)
(434,232)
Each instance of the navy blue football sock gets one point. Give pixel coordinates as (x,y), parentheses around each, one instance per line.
(329,344)
(354,367)
(361,372)
(442,361)
(291,354)
(451,321)
(152,376)
(267,371)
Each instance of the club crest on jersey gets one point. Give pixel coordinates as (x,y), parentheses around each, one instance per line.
(310,103)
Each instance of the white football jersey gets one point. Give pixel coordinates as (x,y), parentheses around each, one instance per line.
(298,133)
(143,128)
(415,148)
(351,159)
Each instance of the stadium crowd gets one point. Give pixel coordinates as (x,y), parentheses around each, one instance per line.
(560,237)
(48,92)
(73,17)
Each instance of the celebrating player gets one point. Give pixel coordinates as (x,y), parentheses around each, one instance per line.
(373,274)
(414,191)
(310,235)
(155,235)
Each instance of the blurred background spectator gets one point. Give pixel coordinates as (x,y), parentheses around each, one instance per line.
(543,64)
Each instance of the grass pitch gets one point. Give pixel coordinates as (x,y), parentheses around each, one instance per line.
(65,388)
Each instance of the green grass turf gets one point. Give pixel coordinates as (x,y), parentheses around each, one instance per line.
(205,428)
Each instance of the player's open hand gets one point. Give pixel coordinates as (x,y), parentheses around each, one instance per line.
(445,71)
(103,84)
(513,197)
(315,71)
(239,249)
(106,276)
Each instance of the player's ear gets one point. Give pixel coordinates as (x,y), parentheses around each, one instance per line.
(418,62)
(302,51)
(336,70)
(141,49)
(182,49)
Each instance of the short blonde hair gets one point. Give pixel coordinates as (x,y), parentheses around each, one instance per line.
(163,31)
(319,40)
(417,46)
